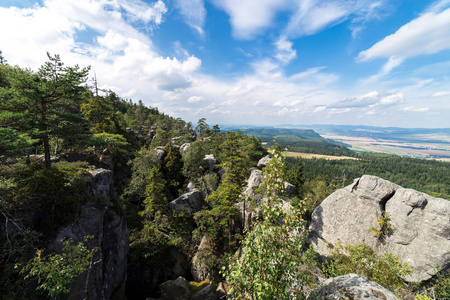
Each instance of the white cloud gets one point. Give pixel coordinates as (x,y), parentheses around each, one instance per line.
(427,34)
(195,99)
(139,10)
(415,109)
(122,57)
(285,53)
(250,17)
(311,17)
(392,99)
(440,94)
(193,12)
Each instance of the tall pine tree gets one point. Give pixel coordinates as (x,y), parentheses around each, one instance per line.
(44,104)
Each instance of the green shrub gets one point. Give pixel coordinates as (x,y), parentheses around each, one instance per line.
(386,269)
(195,287)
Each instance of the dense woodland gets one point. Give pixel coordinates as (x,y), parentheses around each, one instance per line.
(54,128)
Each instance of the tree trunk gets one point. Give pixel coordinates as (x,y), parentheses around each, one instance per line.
(48,163)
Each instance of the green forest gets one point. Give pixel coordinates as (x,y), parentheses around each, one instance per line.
(55,128)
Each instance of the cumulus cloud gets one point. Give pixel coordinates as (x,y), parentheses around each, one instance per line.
(123,57)
(193,12)
(367,103)
(285,53)
(251,17)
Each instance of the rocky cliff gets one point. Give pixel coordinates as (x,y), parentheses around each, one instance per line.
(108,228)
(420,224)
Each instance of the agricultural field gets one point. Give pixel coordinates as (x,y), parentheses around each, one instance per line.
(312,155)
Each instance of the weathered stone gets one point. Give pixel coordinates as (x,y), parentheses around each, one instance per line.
(191,187)
(289,189)
(211,161)
(160,154)
(262,163)
(100,182)
(110,236)
(207,293)
(253,181)
(175,289)
(189,203)
(184,147)
(350,286)
(419,222)
(199,270)
(421,235)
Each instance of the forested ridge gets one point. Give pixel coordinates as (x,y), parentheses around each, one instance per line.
(178,185)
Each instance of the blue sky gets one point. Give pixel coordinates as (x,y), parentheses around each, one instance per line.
(259,62)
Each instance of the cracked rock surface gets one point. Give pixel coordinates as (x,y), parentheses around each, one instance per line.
(421,224)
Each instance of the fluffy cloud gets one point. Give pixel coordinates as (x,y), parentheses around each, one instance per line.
(193,12)
(285,53)
(123,57)
(250,17)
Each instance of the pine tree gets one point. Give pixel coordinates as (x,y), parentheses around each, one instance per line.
(43,104)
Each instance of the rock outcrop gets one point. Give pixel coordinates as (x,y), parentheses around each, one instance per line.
(199,270)
(175,289)
(421,224)
(189,203)
(262,163)
(210,161)
(109,232)
(350,286)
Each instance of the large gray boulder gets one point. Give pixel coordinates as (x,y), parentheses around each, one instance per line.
(421,224)
(100,182)
(175,289)
(184,147)
(253,181)
(350,286)
(210,161)
(262,163)
(189,203)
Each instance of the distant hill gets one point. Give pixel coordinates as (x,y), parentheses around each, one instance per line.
(296,140)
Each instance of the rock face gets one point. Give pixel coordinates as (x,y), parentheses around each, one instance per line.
(421,224)
(350,286)
(100,182)
(199,269)
(184,147)
(263,162)
(175,289)
(254,180)
(110,236)
(190,203)
(289,189)
(210,161)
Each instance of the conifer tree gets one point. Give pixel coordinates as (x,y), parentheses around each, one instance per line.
(44,103)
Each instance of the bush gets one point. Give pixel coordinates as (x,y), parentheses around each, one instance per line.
(387,270)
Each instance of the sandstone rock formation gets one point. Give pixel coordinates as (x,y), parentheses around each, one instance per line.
(210,161)
(421,224)
(189,203)
(199,270)
(350,286)
(263,162)
(108,227)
